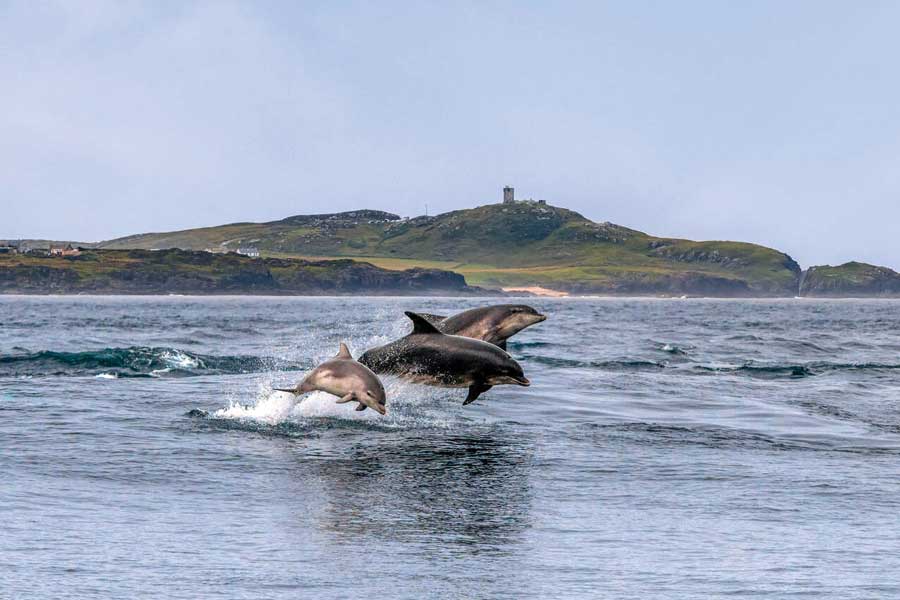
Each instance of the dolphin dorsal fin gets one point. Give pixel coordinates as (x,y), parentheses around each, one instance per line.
(433,319)
(344,352)
(421,324)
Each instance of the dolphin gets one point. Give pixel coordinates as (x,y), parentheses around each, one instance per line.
(493,324)
(345,378)
(434,358)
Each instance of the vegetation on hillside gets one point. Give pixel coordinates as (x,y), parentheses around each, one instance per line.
(192,272)
(518,244)
(849,280)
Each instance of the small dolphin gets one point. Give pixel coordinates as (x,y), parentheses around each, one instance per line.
(347,379)
(493,324)
(428,356)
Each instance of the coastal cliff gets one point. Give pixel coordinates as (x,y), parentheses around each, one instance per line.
(850,280)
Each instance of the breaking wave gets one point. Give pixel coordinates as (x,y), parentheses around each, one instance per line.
(136,361)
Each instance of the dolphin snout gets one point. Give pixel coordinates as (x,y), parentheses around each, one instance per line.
(523,381)
(535,318)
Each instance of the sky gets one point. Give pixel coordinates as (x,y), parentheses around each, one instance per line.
(775,122)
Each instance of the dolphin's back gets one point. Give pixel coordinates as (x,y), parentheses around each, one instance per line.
(448,359)
(463,321)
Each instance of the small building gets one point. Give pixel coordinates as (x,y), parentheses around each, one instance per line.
(509,195)
(249,251)
(8,249)
(68,250)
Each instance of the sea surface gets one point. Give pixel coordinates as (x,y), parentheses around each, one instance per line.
(666,449)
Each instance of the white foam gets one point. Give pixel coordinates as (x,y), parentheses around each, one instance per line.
(277,407)
(409,405)
(180,360)
(106,376)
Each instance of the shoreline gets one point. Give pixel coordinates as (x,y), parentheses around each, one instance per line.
(506,293)
(537,290)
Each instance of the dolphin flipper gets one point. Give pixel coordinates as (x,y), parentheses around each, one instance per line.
(475,390)
(349,397)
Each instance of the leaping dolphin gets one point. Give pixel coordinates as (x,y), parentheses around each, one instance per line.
(347,379)
(492,324)
(434,358)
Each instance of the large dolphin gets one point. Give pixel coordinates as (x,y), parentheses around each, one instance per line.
(494,324)
(428,356)
(347,379)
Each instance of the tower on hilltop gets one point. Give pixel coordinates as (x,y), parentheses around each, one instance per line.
(509,195)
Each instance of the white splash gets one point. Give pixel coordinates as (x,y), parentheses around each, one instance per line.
(179,360)
(408,406)
(277,407)
(106,376)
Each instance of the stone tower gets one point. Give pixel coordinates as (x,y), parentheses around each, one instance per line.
(509,195)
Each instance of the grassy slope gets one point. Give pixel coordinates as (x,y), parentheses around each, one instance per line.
(141,271)
(520,244)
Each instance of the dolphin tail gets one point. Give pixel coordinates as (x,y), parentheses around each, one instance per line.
(475,390)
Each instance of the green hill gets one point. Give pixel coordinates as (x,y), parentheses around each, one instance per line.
(509,245)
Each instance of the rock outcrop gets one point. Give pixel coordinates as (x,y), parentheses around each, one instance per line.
(850,280)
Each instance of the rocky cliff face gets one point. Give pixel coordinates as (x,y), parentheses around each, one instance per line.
(189,272)
(853,279)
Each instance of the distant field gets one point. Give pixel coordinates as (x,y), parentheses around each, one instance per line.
(393,264)
(476,274)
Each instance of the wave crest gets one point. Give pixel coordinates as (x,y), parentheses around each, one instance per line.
(136,361)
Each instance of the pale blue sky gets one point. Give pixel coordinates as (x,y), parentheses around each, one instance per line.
(771,122)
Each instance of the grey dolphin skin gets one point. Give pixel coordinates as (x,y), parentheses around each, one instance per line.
(347,379)
(428,356)
(492,324)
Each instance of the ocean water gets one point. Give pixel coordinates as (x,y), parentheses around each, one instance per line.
(666,449)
